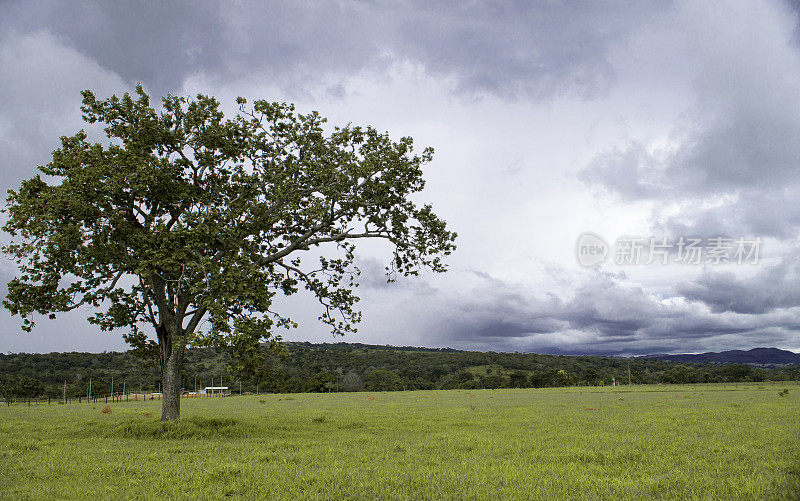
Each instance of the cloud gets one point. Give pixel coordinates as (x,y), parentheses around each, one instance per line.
(604,313)
(520,48)
(730,164)
(511,49)
(773,287)
(45,79)
(685,112)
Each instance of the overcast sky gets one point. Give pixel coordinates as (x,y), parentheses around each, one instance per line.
(549,120)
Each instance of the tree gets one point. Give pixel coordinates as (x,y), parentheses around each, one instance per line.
(352,382)
(29,387)
(321,382)
(8,389)
(383,380)
(681,374)
(738,372)
(518,379)
(193,223)
(492,381)
(590,376)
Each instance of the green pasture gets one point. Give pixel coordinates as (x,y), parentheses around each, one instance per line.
(649,442)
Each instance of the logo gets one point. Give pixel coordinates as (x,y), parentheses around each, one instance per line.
(591,250)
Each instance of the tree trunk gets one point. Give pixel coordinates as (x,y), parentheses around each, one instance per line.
(171,387)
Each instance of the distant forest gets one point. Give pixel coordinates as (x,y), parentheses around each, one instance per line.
(355,367)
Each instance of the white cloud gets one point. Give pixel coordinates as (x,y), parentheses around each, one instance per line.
(42,79)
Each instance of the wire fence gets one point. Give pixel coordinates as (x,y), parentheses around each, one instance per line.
(105,398)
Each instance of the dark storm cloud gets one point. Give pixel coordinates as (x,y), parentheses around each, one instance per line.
(512,49)
(604,314)
(518,48)
(161,43)
(601,305)
(771,288)
(487,312)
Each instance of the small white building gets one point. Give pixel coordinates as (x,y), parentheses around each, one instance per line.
(214,390)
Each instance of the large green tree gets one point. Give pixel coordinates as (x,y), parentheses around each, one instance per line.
(192,223)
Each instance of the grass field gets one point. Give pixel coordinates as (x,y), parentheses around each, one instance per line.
(670,442)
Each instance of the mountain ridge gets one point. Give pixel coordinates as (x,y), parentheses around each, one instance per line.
(753,356)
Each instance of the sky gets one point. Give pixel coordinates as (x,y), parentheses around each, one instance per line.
(550,120)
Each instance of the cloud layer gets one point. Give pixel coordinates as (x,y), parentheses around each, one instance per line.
(731,163)
(513,49)
(549,119)
(604,313)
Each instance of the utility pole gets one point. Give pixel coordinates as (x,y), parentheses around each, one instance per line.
(65,391)
(629,373)
(112,388)
(90,389)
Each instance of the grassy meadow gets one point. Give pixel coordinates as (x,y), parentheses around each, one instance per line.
(649,442)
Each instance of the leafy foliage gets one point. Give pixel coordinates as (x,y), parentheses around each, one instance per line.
(383,380)
(307,367)
(193,223)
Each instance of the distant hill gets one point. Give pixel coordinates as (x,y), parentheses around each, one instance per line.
(756,356)
(310,367)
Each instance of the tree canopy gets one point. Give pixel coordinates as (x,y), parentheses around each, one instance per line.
(351,365)
(192,223)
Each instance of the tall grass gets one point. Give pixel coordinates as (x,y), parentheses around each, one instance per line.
(670,442)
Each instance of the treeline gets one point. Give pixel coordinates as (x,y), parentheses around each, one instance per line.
(353,367)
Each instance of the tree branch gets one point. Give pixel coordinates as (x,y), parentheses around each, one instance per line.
(195,321)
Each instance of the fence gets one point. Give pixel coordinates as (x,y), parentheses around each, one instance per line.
(110,398)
